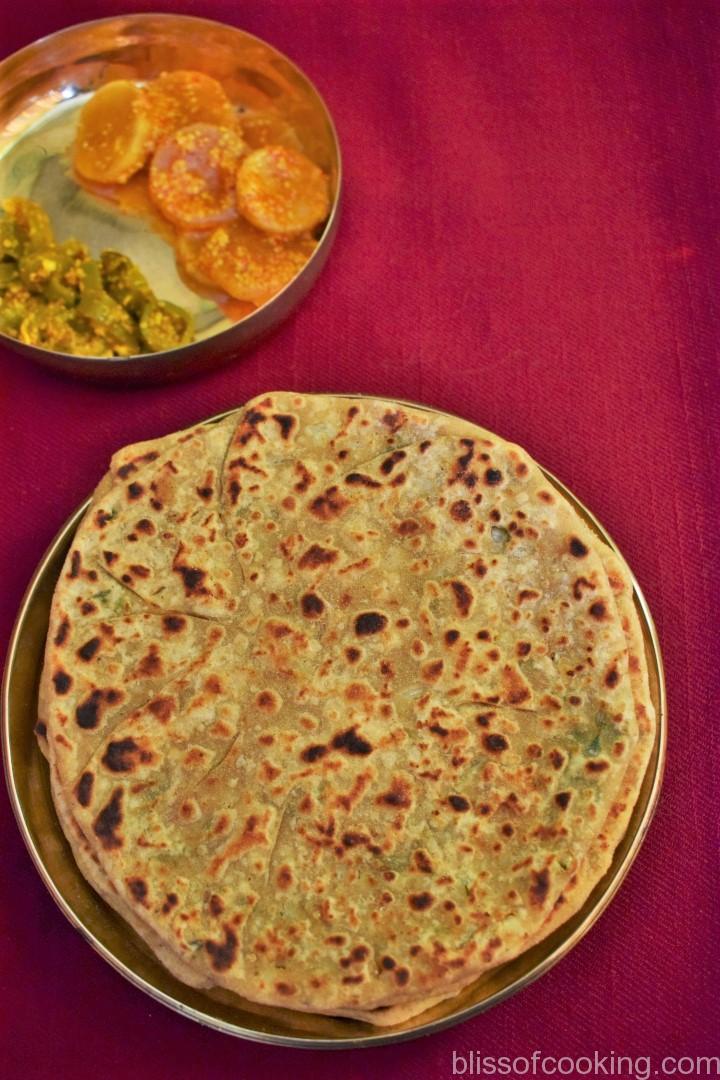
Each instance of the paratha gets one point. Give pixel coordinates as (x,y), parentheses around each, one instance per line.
(344,703)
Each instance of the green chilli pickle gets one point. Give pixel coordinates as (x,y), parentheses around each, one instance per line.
(164,326)
(55,296)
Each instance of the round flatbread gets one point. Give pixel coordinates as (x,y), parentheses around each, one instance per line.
(371,712)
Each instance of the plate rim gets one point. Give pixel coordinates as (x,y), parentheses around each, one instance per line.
(380,1036)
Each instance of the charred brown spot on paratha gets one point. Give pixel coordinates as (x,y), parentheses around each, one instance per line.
(354,839)
(515,689)
(108,822)
(285,988)
(539,887)
(316,556)
(557,760)
(306,478)
(311,605)
(495,743)
(370,622)
(75,564)
(579,585)
(284,877)
(387,466)
(268,701)
(597,766)
(215,905)
(124,755)
(399,795)
(394,420)
(422,862)
(139,571)
(362,480)
(171,901)
(285,423)
(192,579)
(62,632)
(83,789)
(523,648)
(459,803)
(577,548)
(463,598)
(248,428)
(493,477)
(562,799)
(461,510)
(173,624)
(137,887)
(135,491)
(351,743)
(432,670)
(461,469)
(421,901)
(330,505)
(40,729)
(612,677)
(161,708)
(87,714)
(62,681)
(150,665)
(598,610)
(451,636)
(402,976)
(87,651)
(314,753)
(223,954)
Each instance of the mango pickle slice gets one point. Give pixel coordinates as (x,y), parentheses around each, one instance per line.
(113,139)
(179,98)
(192,176)
(281,191)
(249,265)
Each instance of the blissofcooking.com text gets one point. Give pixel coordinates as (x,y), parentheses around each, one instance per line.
(621,1066)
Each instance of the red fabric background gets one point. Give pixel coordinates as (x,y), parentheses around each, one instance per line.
(529,234)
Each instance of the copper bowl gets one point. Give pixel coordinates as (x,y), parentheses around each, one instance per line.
(42,89)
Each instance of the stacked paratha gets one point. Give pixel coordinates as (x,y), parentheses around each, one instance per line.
(343,703)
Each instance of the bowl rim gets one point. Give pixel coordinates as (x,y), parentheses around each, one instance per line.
(112,362)
(593,907)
